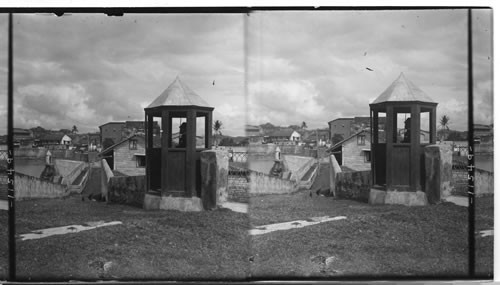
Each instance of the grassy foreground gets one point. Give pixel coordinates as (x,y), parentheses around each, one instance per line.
(149,245)
(387,241)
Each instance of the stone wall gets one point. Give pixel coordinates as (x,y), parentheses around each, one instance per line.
(128,190)
(264,184)
(69,169)
(30,152)
(438,175)
(29,187)
(237,190)
(483,182)
(353,185)
(214,178)
(298,165)
(106,175)
(334,170)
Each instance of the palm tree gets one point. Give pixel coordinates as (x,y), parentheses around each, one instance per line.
(443,122)
(217,130)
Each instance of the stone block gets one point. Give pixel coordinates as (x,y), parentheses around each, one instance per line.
(184,204)
(438,165)
(377,197)
(214,176)
(151,202)
(407,198)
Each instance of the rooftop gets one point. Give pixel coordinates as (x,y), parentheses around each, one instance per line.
(402,90)
(178,94)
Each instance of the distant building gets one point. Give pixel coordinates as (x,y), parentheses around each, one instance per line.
(254,134)
(117,131)
(283,136)
(340,126)
(128,156)
(22,137)
(354,151)
(483,133)
(111,131)
(53,140)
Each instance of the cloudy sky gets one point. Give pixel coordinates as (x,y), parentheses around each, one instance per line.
(86,70)
(89,69)
(311,66)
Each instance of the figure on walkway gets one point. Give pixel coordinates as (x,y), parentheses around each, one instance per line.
(406,138)
(182,136)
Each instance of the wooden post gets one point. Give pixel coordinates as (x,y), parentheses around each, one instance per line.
(190,154)
(165,135)
(389,139)
(415,148)
(432,128)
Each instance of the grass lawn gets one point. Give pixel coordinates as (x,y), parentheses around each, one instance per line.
(149,245)
(386,241)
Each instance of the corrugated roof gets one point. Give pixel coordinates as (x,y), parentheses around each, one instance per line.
(403,89)
(178,94)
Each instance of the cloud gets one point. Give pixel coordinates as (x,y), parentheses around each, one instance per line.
(331,50)
(115,66)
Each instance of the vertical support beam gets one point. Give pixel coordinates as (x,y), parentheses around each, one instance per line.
(415,148)
(389,129)
(149,130)
(374,140)
(471,160)
(190,173)
(208,130)
(10,158)
(432,127)
(165,135)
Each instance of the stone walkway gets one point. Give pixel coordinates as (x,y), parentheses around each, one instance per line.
(66,230)
(236,207)
(4,205)
(458,200)
(293,225)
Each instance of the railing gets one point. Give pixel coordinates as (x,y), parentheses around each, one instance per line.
(459,175)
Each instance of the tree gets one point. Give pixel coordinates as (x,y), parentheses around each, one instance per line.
(74,129)
(217,130)
(337,138)
(304,125)
(443,122)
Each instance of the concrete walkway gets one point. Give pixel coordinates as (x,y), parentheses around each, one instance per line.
(293,225)
(458,200)
(236,207)
(66,230)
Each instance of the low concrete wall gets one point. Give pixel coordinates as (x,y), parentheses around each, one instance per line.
(28,187)
(483,182)
(334,170)
(30,152)
(214,178)
(69,169)
(128,190)
(298,165)
(438,175)
(106,174)
(264,184)
(353,185)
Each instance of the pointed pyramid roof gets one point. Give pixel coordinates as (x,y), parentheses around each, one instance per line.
(178,94)
(402,90)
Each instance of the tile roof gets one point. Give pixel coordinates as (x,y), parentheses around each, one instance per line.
(401,90)
(178,94)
